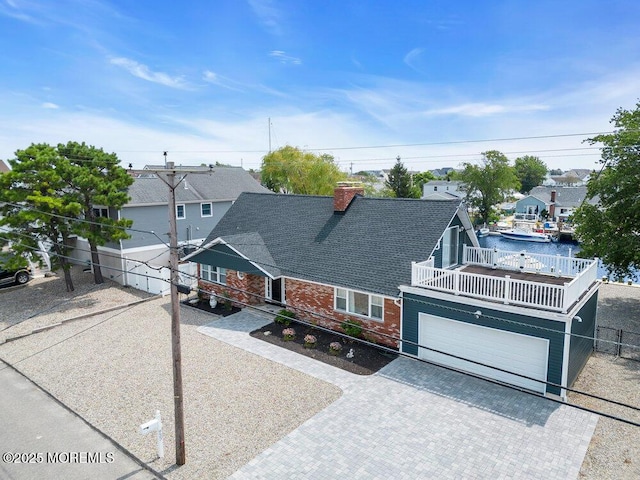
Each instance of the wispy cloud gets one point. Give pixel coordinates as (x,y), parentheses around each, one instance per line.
(230,84)
(221,81)
(50,106)
(485,109)
(58,13)
(142,71)
(269,15)
(11,9)
(412,58)
(284,58)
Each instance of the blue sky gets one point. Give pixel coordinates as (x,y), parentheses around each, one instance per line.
(436,82)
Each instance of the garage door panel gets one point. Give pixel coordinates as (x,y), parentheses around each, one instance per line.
(510,351)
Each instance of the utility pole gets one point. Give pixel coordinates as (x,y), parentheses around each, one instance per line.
(178,399)
(174,267)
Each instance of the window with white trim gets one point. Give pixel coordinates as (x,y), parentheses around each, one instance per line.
(100,212)
(359,303)
(213,274)
(181,213)
(206,210)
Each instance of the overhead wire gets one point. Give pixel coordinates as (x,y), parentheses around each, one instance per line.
(412,357)
(420,346)
(264,264)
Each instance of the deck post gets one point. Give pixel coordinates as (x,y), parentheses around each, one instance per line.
(507,289)
(456,282)
(494,258)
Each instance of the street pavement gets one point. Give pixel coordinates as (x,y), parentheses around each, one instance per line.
(41,439)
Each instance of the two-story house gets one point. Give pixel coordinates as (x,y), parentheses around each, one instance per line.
(202,199)
(558,202)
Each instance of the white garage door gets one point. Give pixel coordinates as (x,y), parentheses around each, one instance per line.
(510,351)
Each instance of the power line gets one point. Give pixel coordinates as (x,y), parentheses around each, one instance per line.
(391,350)
(82,220)
(311,325)
(397,145)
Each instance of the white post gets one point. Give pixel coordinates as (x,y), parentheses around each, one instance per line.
(154,425)
(507,288)
(414,272)
(159,436)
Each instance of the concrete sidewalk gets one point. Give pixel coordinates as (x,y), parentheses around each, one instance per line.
(41,439)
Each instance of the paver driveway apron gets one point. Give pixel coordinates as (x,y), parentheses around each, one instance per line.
(415,420)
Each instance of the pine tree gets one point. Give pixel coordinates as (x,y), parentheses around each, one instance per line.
(400,182)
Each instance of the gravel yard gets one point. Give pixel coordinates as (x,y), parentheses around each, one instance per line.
(114,369)
(45,301)
(614,451)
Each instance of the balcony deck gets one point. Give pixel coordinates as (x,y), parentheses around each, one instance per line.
(544,282)
(527,276)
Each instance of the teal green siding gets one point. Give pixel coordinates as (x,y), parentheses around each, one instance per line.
(222,256)
(581,345)
(463,237)
(522,204)
(537,327)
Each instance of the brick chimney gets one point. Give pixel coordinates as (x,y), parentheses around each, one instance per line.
(344,193)
(552,205)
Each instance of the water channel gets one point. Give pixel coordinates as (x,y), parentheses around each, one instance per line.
(565,249)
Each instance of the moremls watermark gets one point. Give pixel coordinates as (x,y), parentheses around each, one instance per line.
(58,457)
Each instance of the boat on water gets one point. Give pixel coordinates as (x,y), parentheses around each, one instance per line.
(482,232)
(525,235)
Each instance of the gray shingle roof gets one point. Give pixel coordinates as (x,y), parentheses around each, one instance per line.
(370,247)
(225,183)
(565,196)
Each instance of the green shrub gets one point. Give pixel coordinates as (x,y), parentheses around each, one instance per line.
(284,317)
(226,300)
(352,328)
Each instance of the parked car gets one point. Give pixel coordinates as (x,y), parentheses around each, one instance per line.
(18,276)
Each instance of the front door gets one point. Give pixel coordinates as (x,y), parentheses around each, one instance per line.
(274,290)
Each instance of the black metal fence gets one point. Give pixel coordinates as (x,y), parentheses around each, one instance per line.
(618,342)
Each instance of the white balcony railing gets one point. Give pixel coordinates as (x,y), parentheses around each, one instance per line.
(534,294)
(556,265)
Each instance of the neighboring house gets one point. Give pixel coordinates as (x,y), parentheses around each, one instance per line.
(4,167)
(559,202)
(442,172)
(201,201)
(453,189)
(549,181)
(412,273)
(572,178)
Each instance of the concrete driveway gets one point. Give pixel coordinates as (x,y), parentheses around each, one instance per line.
(414,420)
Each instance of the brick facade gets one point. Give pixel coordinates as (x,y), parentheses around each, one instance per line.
(312,303)
(248,290)
(306,298)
